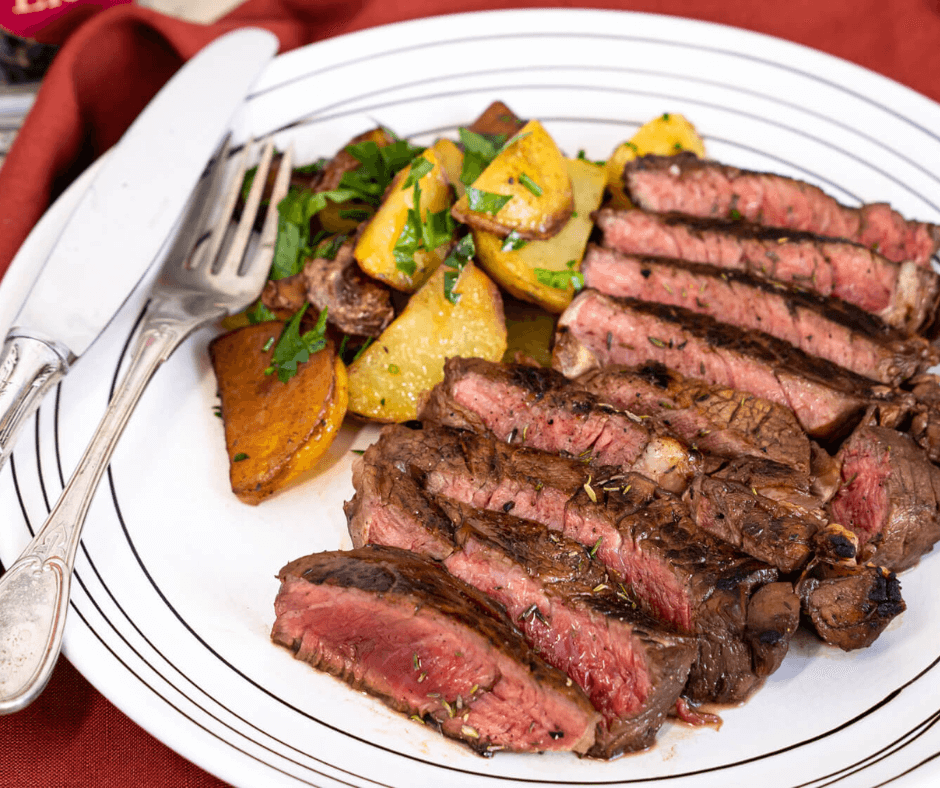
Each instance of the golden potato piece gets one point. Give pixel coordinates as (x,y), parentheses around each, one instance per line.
(274,431)
(375,249)
(525,189)
(664,135)
(387,380)
(527,272)
(451,158)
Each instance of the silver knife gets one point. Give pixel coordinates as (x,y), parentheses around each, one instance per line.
(123,219)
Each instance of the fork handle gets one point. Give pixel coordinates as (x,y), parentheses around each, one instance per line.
(34,591)
(29,367)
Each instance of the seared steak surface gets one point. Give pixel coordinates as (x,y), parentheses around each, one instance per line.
(904,295)
(540,408)
(597,330)
(828,328)
(399,627)
(686,184)
(890,496)
(642,536)
(631,668)
(718,420)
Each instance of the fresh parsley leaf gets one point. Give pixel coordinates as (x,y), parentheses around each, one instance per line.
(312,169)
(287,249)
(479,151)
(560,280)
(294,348)
(419,168)
(259,313)
(513,243)
(329,248)
(486,202)
(531,185)
(454,263)
(583,157)
(436,230)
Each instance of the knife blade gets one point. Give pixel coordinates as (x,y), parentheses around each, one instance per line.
(122,221)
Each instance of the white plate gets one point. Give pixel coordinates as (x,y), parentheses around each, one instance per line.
(175,579)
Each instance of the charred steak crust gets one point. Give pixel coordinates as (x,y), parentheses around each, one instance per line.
(825,327)
(641,534)
(596,330)
(632,669)
(399,627)
(686,184)
(904,295)
(890,496)
(715,419)
(849,606)
(540,408)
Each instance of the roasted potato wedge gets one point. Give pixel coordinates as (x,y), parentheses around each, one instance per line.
(387,380)
(274,431)
(525,189)
(664,135)
(451,158)
(375,248)
(527,272)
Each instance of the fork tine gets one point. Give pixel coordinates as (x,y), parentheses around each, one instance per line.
(265,254)
(220,228)
(236,250)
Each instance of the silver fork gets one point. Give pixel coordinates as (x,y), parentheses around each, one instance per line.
(207,275)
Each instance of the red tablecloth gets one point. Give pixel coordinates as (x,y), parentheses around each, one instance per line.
(110,66)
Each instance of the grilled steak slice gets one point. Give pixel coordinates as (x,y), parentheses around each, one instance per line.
(641,534)
(904,295)
(399,627)
(779,534)
(849,605)
(355,303)
(686,184)
(890,496)
(539,408)
(824,327)
(596,330)
(716,420)
(632,669)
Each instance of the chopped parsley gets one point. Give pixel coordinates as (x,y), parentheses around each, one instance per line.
(454,263)
(259,313)
(560,280)
(531,185)
(513,243)
(486,202)
(479,151)
(294,348)
(435,230)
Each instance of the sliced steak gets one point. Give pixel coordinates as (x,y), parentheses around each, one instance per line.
(779,534)
(596,330)
(430,646)
(823,327)
(686,184)
(890,496)
(716,420)
(631,668)
(355,303)
(848,605)
(640,533)
(904,295)
(537,407)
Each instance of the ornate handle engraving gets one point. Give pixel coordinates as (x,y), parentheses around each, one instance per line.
(34,592)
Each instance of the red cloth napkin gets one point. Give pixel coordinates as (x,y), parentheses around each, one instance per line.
(111,65)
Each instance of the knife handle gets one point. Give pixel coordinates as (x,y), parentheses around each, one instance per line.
(29,367)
